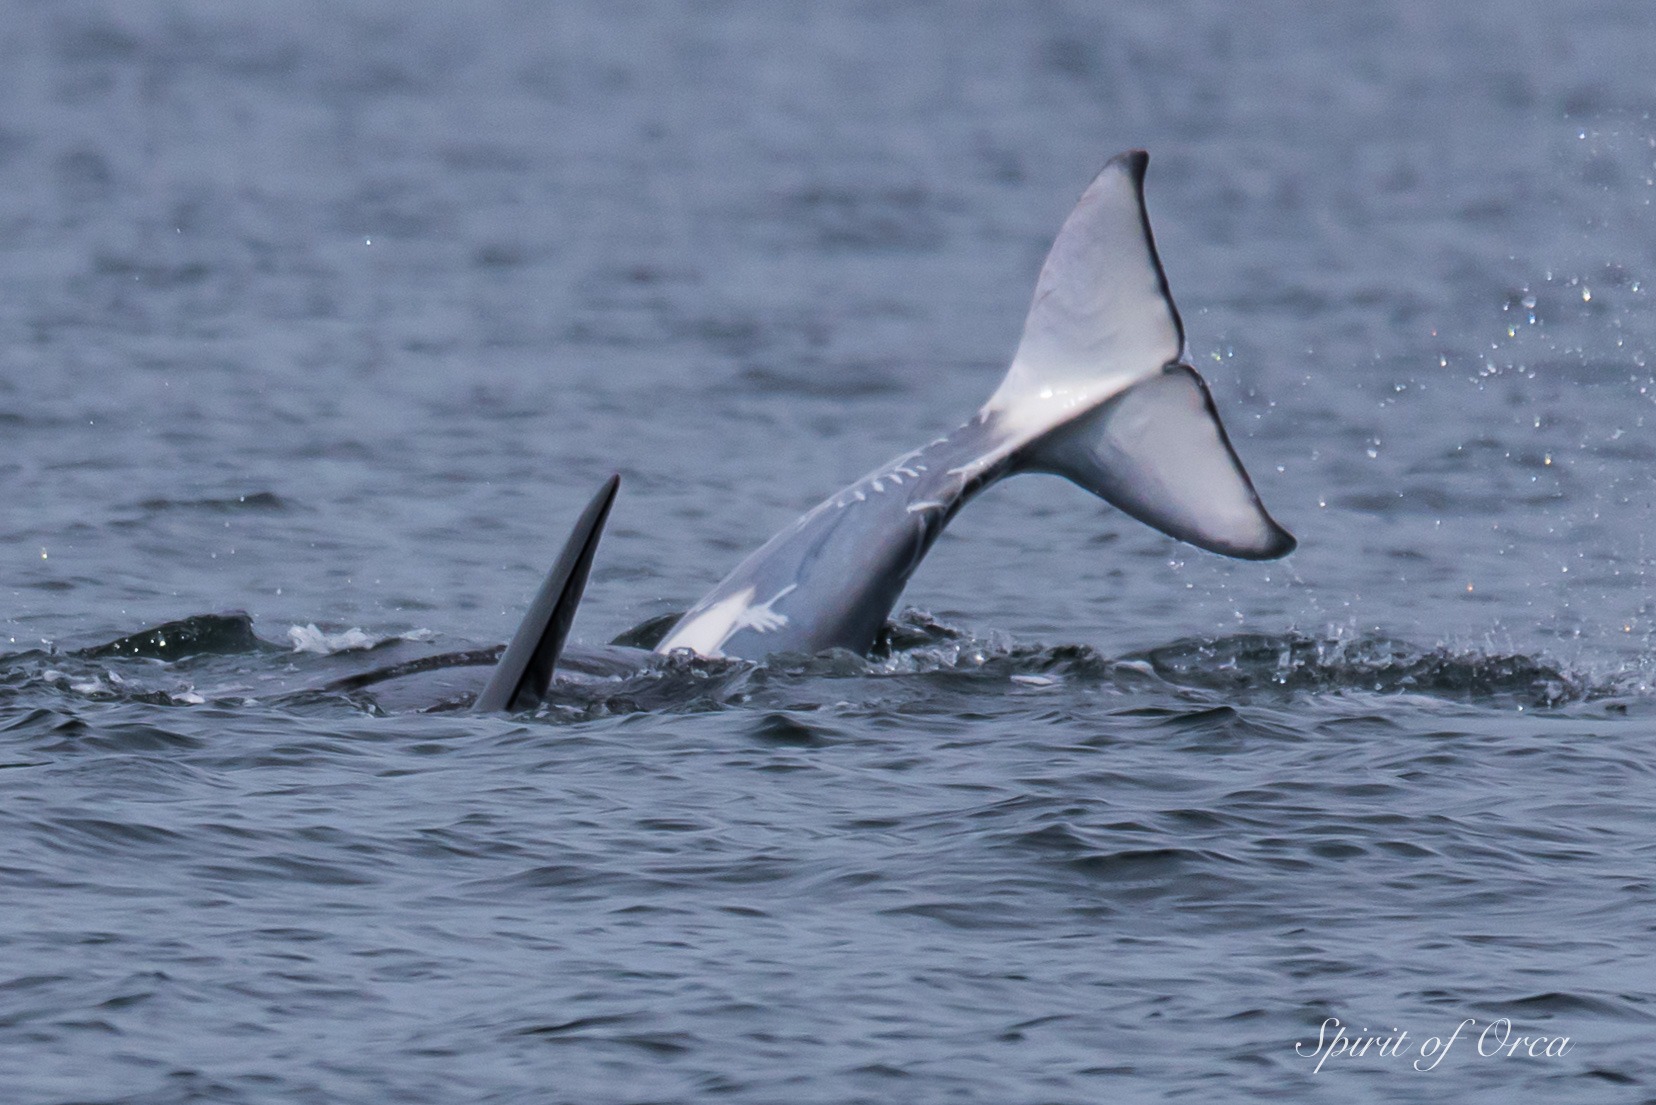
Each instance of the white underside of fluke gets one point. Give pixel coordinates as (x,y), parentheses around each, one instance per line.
(1101,318)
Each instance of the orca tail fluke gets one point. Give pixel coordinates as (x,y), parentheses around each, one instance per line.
(520,679)
(1158,452)
(1099,390)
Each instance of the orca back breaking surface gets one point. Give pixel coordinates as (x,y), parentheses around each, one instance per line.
(1099,391)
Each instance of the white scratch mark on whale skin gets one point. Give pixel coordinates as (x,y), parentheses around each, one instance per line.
(760,617)
(708,631)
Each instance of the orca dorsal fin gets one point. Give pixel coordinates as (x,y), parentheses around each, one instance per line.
(520,679)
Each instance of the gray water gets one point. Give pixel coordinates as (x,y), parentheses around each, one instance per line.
(335,314)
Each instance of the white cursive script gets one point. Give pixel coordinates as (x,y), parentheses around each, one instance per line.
(1497,1038)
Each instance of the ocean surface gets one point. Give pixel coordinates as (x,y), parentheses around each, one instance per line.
(320,321)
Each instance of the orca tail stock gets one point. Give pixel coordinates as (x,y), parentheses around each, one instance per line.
(1101,392)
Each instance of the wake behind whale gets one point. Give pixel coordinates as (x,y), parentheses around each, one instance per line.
(218,659)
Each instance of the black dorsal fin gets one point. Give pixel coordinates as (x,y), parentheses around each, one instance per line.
(520,680)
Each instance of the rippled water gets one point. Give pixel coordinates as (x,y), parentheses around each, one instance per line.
(335,314)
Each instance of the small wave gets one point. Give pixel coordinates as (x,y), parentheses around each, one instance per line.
(1554,1003)
(1380,665)
(649,634)
(257,500)
(917,643)
(203,634)
(109,685)
(309,638)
